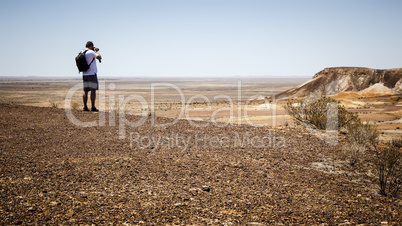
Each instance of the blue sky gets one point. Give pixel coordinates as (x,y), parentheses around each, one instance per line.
(199,38)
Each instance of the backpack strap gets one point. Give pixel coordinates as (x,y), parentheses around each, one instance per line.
(92,59)
(91,62)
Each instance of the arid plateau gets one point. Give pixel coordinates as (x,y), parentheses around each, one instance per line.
(189,151)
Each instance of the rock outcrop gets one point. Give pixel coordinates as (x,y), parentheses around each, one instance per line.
(331,81)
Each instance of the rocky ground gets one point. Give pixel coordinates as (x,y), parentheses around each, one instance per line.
(53,171)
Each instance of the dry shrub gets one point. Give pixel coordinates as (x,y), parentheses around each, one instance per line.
(363,134)
(318,113)
(355,151)
(54,104)
(75,105)
(388,163)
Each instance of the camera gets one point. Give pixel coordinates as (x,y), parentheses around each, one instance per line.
(96,49)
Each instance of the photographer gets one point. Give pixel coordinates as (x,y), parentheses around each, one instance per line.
(89,77)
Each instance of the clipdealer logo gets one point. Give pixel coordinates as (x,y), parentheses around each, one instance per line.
(120,104)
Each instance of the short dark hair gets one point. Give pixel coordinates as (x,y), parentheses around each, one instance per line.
(89,43)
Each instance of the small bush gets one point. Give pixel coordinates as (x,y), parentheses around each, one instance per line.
(363,134)
(317,113)
(75,105)
(388,163)
(355,151)
(54,104)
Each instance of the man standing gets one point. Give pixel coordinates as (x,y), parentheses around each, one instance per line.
(90,77)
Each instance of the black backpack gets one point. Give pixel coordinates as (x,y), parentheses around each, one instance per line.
(82,62)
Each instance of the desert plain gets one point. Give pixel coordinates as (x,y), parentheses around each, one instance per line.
(217,100)
(207,152)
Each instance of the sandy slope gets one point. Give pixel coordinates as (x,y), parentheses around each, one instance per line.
(377,89)
(53,171)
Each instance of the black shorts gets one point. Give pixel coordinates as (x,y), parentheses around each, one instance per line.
(90,82)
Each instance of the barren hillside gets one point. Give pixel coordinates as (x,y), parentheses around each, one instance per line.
(54,172)
(331,81)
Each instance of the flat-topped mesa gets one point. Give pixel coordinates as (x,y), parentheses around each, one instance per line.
(344,70)
(333,80)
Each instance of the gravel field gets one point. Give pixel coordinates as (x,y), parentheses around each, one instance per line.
(55,172)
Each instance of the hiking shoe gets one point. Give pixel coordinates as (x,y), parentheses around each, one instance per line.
(86,109)
(94,109)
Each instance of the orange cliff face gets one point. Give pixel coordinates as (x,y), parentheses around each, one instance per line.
(332,81)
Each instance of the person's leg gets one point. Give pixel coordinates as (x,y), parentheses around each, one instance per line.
(93,98)
(94,87)
(85,99)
